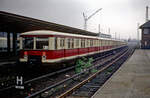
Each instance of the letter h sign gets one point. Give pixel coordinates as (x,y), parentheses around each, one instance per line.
(19,83)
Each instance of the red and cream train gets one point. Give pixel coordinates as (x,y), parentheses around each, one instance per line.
(52,47)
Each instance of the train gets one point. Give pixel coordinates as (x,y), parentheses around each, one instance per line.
(49,47)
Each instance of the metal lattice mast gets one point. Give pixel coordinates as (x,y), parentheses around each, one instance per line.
(87,18)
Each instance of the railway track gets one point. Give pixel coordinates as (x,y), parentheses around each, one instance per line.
(90,85)
(10,83)
(64,76)
(48,81)
(7,74)
(57,88)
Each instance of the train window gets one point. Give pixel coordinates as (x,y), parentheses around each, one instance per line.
(105,42)
(102,42)
(82,43)
(99,42)
(72,43)
(69,43)
(56,43)
(28,43)
(94,41)
(41,43)
(91,43)
(77,43)
(62,42)
(87,42)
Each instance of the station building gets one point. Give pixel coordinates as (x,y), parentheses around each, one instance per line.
(145,40)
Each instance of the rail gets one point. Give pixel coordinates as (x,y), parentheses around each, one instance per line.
(90,78)
(59,83)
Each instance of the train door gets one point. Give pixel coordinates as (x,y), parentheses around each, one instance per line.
(62,46)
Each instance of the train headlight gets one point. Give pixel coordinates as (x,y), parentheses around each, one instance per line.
(44,56)
(25,55)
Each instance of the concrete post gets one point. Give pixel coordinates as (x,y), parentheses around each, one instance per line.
(14,43)
(8,42)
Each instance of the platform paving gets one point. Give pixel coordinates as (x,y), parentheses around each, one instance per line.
(132,80)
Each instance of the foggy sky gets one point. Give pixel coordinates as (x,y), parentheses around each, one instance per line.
(120,16)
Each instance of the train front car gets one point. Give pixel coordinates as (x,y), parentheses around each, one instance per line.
(34,47)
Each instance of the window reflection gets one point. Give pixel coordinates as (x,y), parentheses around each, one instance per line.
(41,43)
(28,43)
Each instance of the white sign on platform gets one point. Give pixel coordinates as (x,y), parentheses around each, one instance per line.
(19,83)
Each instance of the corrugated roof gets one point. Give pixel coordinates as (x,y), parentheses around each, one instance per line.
(17,24)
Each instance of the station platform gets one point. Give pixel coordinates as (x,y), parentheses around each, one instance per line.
(131,80)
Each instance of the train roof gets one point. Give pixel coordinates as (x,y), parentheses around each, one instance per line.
(47,32)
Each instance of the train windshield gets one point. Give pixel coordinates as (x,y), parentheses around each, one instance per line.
(28,43)
(35,43)
(41,43)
